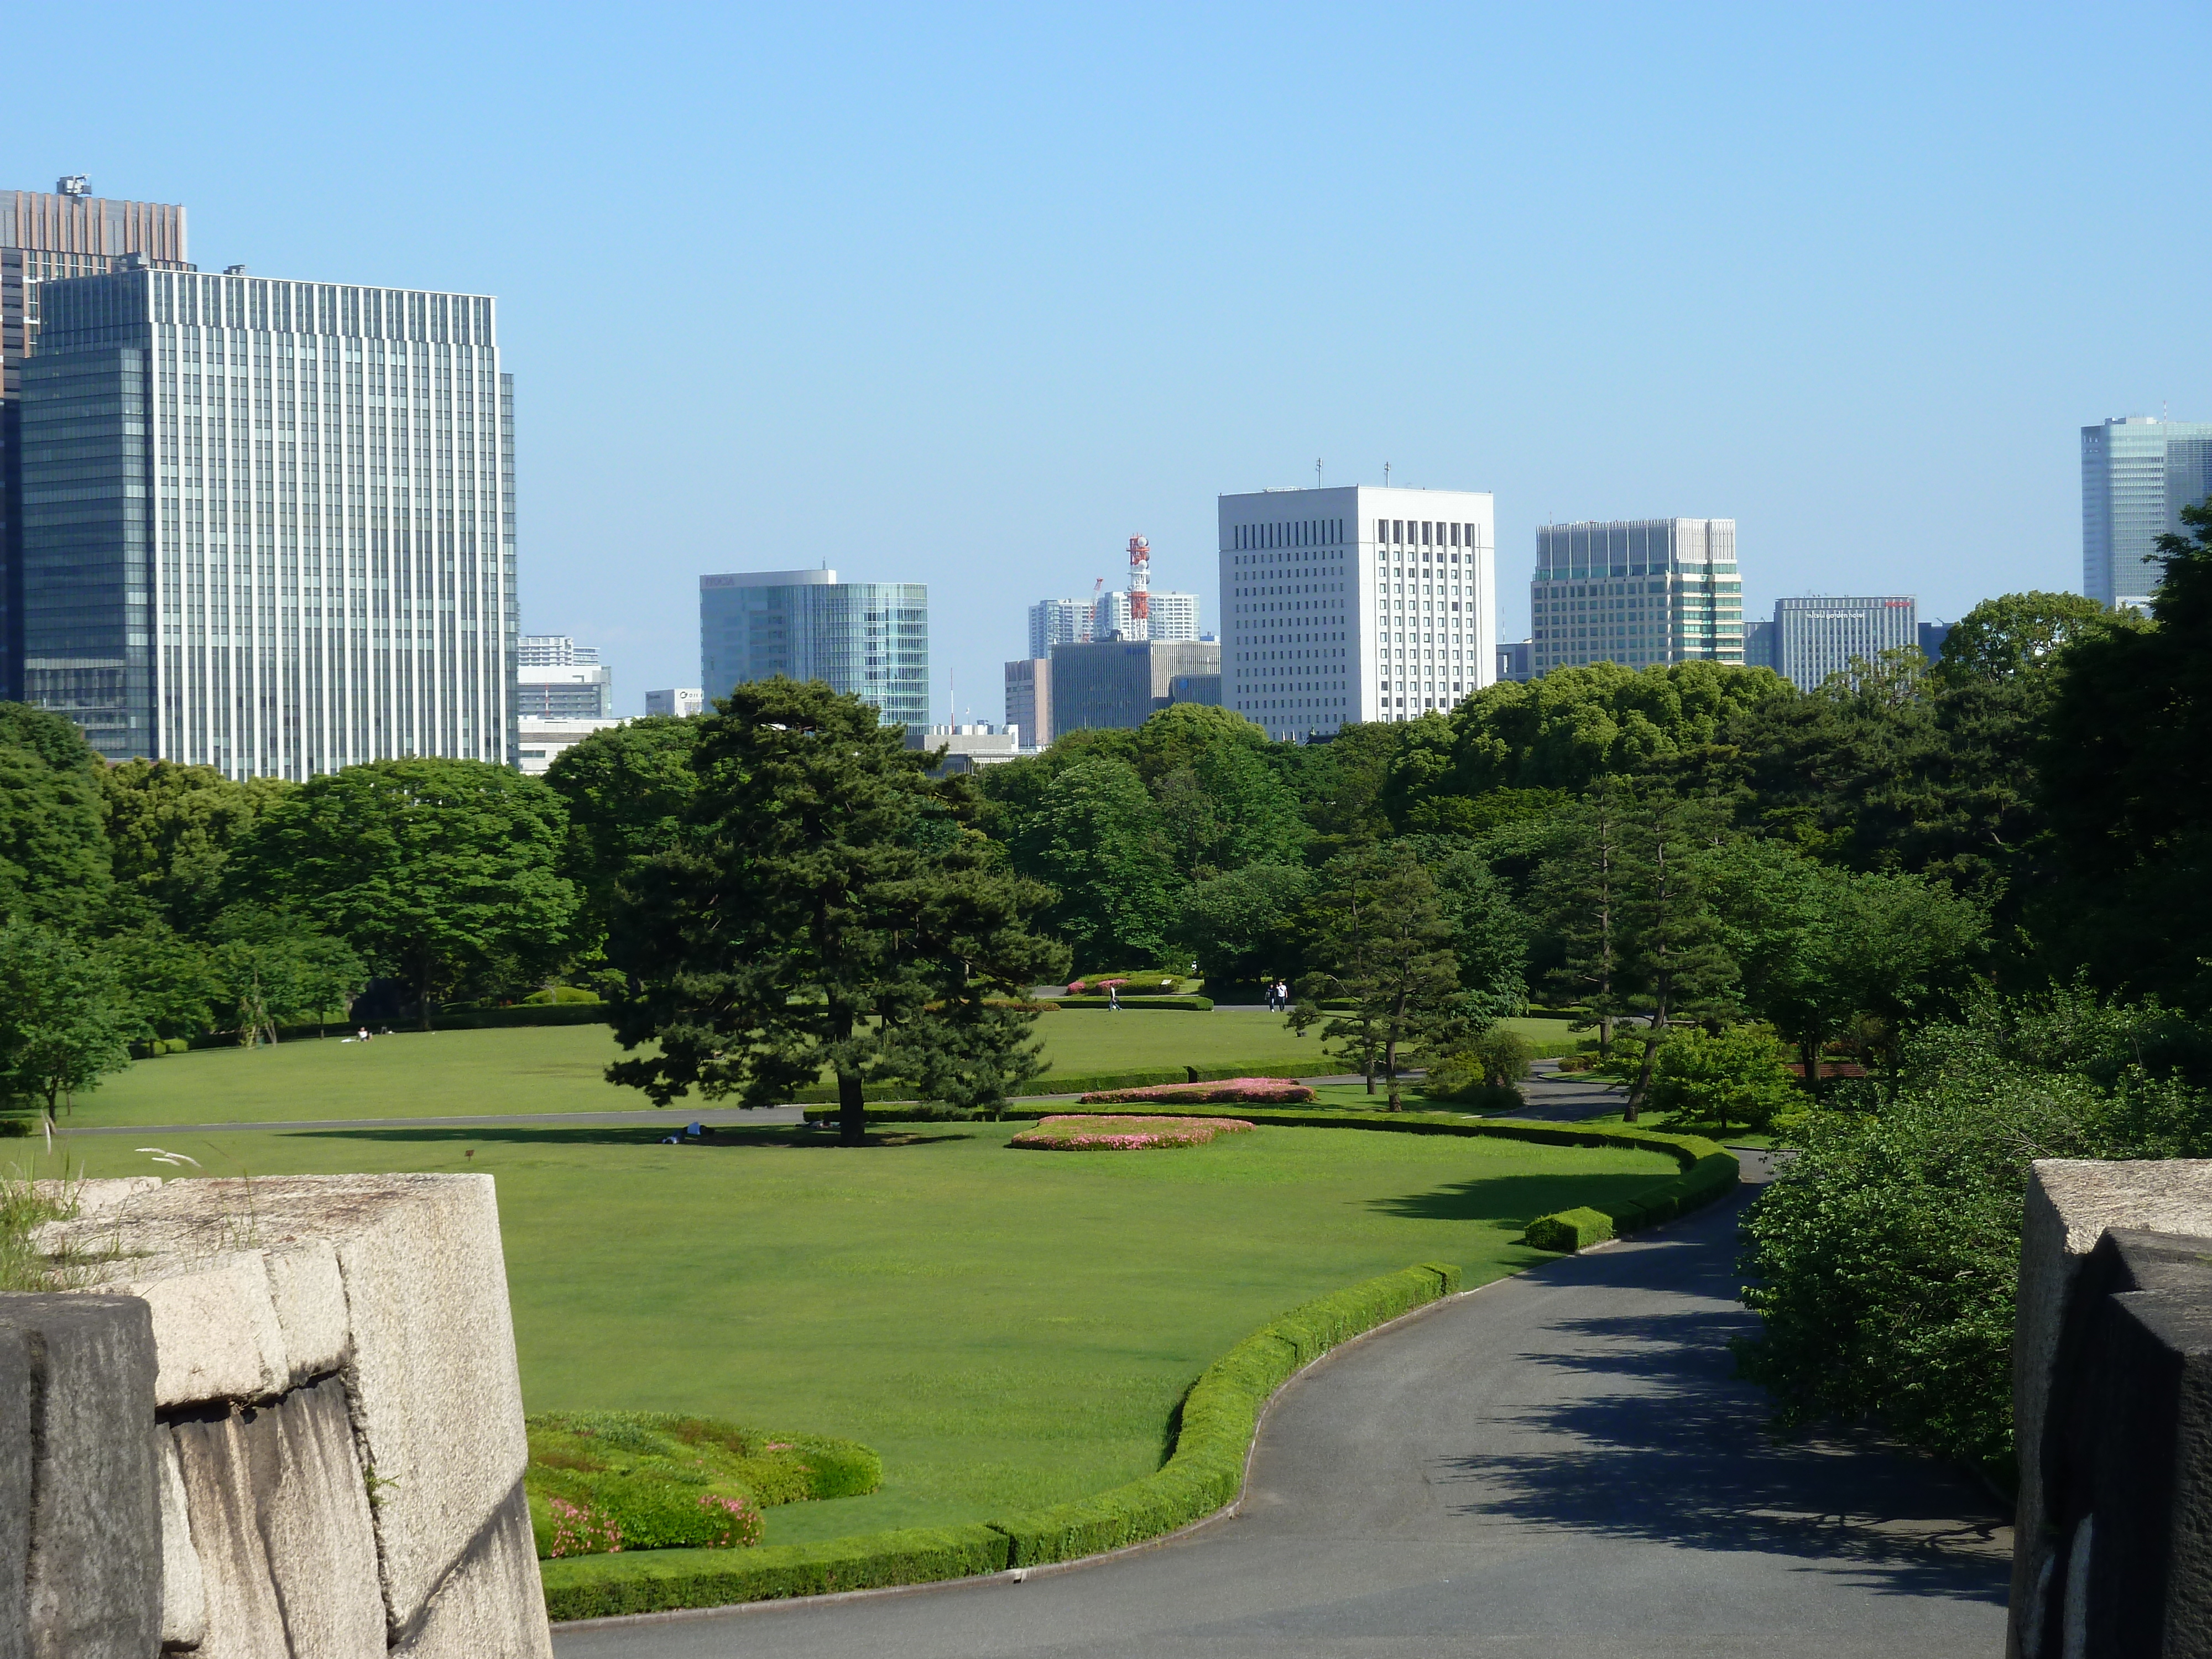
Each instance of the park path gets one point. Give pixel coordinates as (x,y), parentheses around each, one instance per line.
(1560,1462)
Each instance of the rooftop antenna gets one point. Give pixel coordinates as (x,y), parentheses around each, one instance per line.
(1140,583)
(1316,472)
(1386,474)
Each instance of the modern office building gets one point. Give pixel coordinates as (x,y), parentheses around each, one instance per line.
(870,640)
(1759,644)
(541,739)
(679,703)
(554,650)
(1172,616)
(1355,604)
(1932,636)
(1124,683)
(1814,638)
(1057,622)
(1196,688)
(2138,473)
(67,232)
(1513,659)
(1028,697)
(268,526)
(967,748)
(557,678)
(1636,591)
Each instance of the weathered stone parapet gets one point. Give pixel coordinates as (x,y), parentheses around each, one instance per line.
(336,1381)
(2112,1409)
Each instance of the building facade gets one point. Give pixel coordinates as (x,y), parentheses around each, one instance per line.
(1636,591)
(1759,644)
(869,640)
(1028,698)
(542,738)
(268,526)
(44,236)
(1124,683)
(554,650)
(1814,638)
(1057,622)
(1932,636)
(1355,604)
(1513,659)
(1170,615)
(2138,473)
(584,692)
(679,703)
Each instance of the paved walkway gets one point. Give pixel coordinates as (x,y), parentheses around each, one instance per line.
(1560,1463)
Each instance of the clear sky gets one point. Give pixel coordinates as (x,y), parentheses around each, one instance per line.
(968,295)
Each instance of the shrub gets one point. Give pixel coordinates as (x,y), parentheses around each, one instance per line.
(1738,1076)
(1236,1090)
(1162,1000)
(1577,1062)
(1569,1230)
(559,994)
(604,1586)
(1124,1135)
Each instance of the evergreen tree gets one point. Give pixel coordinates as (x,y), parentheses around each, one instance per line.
(1580,891)
(829,907)
(1673,947)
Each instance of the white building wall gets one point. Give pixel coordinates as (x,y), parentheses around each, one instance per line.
(1355,604)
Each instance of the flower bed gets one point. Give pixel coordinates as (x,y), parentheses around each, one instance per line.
(1234,1090)
(1124,1135)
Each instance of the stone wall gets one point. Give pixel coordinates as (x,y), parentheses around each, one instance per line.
(334,1449)
(2112,1411)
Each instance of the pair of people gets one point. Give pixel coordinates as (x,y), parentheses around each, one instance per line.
(1279,996)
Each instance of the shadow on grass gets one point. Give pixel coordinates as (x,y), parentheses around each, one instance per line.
(1516,1197)
(725,1139)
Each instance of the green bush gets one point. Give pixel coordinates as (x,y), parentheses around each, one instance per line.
(552,1014)
(1738,1077)
(604,1586)
(1569,1230)
(560,994)
(1161,1000)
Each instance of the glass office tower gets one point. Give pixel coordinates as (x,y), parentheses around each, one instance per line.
(2138,473)
(268,526)
(1637,592)
(870,640)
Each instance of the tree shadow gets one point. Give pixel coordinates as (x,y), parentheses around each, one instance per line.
(1651,1435)
(1516,1198)
(726,1138)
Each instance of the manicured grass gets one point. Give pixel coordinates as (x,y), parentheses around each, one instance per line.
(1006,1328)
(558,1069)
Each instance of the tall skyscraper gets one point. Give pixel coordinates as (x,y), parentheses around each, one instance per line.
(868,639)
(1636,591)
(1057,622)
(1173,616)
(1124,683)
(68,232)
(1814,638)
(268,526)
(1355,604)
(2138,473)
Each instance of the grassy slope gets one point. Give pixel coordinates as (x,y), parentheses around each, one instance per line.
(557,1069)
(1007,1327)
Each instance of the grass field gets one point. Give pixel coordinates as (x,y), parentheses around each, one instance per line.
(1006,1327)
(557,1069)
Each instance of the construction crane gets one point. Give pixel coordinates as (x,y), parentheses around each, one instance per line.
(1091,617)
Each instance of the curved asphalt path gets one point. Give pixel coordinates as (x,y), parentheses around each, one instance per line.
(1560,1463)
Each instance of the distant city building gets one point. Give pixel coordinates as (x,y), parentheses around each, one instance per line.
(1814,638)
(44,236)
(540,739)
(1759,645)
(1122,683)
(1355,604)
(1513,660)
(1173,616)
(553,651)
(1932,636)
(1196,688)
(1057,622)
(584,692)
(221,565)
(2138,473)
(968,747)
(1636,591)
(870,640)
(682,702)
(1028,697)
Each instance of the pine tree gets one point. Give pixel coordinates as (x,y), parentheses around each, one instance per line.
(1671,936)
(830,908)
(1581,892)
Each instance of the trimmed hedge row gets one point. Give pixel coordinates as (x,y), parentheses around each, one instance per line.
(1204,1473)
(1569,1230)
(1080,1083)
(1198,1004)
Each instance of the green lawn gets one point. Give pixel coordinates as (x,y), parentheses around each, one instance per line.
(557,1069)
(1006,1327)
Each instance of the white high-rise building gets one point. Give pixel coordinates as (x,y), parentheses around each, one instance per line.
(1814,638)
(1173,616)
(1637,592)
(1057,622)
(2138,473)
(1355,604)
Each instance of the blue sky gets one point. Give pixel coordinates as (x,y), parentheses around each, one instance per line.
(968,295)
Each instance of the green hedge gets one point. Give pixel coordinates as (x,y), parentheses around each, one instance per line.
(1204,1473)
(1569,1230)
(655,1581)
(528,1013)
(1219,1415)
(1188,1003)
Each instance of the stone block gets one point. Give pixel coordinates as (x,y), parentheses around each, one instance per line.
(184,1586)
(492,1604)
(17,1406)
(92,1578)
(280,1523)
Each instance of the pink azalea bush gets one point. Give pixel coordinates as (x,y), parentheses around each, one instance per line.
(1236,1090)
(739,1521)
(1124,1134)
(583,1530)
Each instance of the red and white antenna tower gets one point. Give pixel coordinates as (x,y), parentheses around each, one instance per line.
(1141,587)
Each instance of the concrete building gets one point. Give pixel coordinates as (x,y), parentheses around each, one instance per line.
(268,526)
(1759,644)
(680,702)
(1932,636)
(1636,591)
(1028,697)
(2138,473)
(969,747)
(67,232)
(540,738)
(1123,682)
(557,678)
(870,640)
(1172,616)
(1057,622)
(1814,638)
(554,650)
(1196,688)
(1513,659)
(1355,604)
